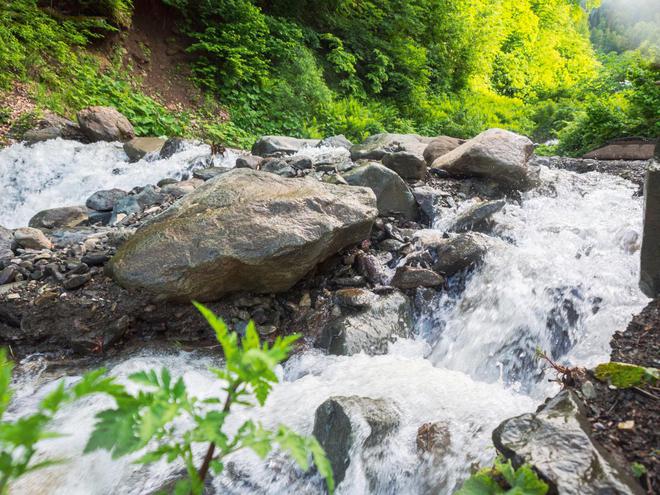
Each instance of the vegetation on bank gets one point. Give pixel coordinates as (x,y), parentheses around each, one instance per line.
(162,420)
(308,68)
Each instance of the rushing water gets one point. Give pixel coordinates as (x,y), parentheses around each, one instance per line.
(564,278)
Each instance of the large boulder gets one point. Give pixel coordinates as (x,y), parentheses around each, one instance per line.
(368,325)
(556,441)
(56,218)
(105,124)
(393,195)
(377,146)
(440,146)
(280,145)
(243,231)
(494,154)
(345,425)
(137,148)
(405,163)
(52,126)
(650,257)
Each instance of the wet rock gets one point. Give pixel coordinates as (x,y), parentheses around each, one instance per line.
(375,147)
(440,146)
(243,231)
(427,199)
(95,259)
(209,173)
(338,141)
(56,218)
(249,161)
(408,277)
(354,298)
(105,124)
(139,147)
(278,167)
(494,154)
(393,195)
(341,422)
(99,217)
(408,165)
(105,200)
(172,146)
(300,162)
(31,238)
(557,442)
(478,216)
(391,245)
(283,145)
(369,328)
(650,255)
(76,281)
(460,252)
(371,268)
(433,439)
(38,135)
(52,126)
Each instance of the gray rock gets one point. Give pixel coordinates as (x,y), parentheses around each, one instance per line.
(300,162)
(6,240)
(76,281)
(172,146)
(105,200)
(408,165)
(370,328)
(8,274)
(341,422)
(105,124)
(440,146)
(45,134)
(375,147)
(650,256)
(64,217)
(135,203)
(427,198)
(477,216)
(494,154)
(408,277)
(338,141)
(137,148)
(180,189)
(209,173)
(393,195)
(354,298)
(249,161)
(556,442)
(461,251)
(278,167)
(272,145)
(99,217)
(166,181)
(243,231)
(52,126)
(30,238)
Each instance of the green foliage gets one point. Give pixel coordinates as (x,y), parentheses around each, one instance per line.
(19,437)
(638,469)
(145,420)
(623,375)
(502,478)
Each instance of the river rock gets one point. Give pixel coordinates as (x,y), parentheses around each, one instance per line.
(377,146)
(64,217)
(52,126)
(105,124)
(433,439)
(650,256)
(494,154)
(440,146)
(243,231)
(172,146)
(180,189)
(209,173)
(31,238)
(338,141)
(249,161)
(136,202)
(556,441)
(408,165)
(137,148)
(340,422)
(393,195)
(6,240)
(408,277)
(477,216)
(461,251)
(105,200)
(279,167)
(282,145)
(369,328)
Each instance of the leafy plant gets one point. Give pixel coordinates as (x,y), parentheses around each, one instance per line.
(19,437)
(147,419)
(623,375)
(502,478)
(638,469)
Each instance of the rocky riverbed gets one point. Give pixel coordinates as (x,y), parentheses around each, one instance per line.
(406,262)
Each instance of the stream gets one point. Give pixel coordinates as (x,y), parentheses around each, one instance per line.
(562,279)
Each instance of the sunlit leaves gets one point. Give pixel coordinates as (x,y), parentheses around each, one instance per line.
(503,479)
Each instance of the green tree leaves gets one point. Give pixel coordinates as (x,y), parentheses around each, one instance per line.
(502,478)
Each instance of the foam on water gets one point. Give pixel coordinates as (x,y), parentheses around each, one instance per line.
(65,173)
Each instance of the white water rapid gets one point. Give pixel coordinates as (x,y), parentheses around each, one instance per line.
(564,279)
